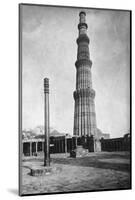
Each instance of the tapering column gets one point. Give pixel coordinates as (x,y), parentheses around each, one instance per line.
(46,123)
(84,95)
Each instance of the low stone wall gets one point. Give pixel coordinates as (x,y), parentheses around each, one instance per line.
(63,145)
(116,144)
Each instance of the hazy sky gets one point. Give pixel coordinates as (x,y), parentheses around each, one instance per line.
(50,50)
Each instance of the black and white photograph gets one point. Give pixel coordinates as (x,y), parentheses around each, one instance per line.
(75,99)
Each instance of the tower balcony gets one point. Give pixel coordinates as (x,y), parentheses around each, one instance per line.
(84,92)
(82,38)
(83,62)
(80,25)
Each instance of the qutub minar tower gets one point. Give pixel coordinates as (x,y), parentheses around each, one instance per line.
(84,95)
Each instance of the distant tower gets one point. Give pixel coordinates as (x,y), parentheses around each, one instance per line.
(84,112)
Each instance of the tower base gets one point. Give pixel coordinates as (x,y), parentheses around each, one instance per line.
(80,151)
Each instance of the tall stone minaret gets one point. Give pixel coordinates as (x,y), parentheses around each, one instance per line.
(84,112)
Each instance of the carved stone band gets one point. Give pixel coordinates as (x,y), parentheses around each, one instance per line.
(82,38)
(84,92)
(81,62)
(82,24)
(46,85)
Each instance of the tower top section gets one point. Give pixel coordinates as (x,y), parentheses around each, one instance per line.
(82,15)
(82,26)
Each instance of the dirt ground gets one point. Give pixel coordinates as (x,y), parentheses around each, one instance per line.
(96,171)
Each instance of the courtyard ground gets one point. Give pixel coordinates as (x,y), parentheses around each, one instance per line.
(96,171)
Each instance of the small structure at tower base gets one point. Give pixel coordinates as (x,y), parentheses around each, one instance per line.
(81,152)
(86,145)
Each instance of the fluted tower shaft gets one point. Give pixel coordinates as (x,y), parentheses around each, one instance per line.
(84,111)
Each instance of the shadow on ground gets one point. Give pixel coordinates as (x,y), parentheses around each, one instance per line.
(98,162)
(109,160)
